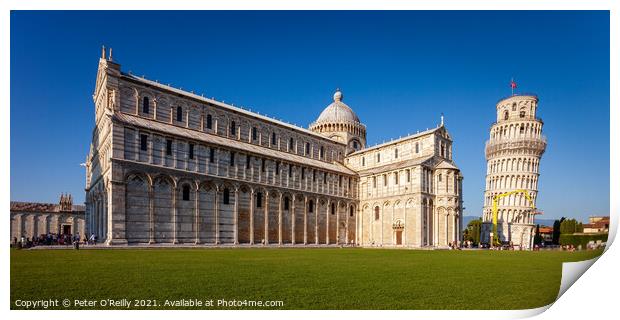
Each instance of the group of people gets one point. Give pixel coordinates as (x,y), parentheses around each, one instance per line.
(51,239)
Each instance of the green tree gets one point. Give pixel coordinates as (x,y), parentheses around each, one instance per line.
(473,230)
(569,226)
(537,238)
(556,231)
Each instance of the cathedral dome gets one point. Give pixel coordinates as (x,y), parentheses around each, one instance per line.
(337,112)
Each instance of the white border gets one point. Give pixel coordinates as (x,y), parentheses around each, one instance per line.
(594,295)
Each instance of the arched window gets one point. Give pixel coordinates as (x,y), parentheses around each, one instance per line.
(333,208)
(286,203)
(254,133)
(363,161)
(522,114)
(514,106)
(321,152)
(417,147)
(226,196)
(311,206)
(209,122)
(395,153)
(233,128)
(355,146)
(179,114)
(259,200)
(378,157)
(145,105)
(396,178)
(273,138)
(350,211)
(185,192)
(377,213)
(506,115)
(291,144)
(522,130)
(307,148)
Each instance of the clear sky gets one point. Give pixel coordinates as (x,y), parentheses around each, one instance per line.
(398,71)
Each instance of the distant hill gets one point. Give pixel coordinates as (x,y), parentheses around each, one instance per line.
(466,220)
(542,222)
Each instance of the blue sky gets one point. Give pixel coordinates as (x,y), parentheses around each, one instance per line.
(398,70)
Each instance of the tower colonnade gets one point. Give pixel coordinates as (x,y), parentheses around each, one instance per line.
(513,153)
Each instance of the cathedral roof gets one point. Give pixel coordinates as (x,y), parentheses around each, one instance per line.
(396,141)
(395,165)
(18,206)
(337,112)
(445,165)
(225,106)
(239,145)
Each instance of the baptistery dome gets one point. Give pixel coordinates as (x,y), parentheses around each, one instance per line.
(339,122)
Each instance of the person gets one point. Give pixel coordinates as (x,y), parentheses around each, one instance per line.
(92,239)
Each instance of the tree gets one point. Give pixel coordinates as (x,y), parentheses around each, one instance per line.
(537,238)
(473,230)
(556,231)
(569,226)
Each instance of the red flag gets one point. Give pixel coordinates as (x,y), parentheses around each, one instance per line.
(513,84)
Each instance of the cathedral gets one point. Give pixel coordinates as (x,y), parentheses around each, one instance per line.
(167,166)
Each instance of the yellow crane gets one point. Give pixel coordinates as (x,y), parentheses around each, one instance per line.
(495,238)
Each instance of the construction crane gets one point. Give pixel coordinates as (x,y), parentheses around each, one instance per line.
(494,236)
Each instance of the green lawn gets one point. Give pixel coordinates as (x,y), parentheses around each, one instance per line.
(302,278)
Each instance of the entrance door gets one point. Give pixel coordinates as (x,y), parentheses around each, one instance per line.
(399,237)
(66,229)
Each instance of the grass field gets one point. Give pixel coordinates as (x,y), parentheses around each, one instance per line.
(302,278)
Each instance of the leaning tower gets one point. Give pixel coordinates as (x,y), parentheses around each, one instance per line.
(513,154)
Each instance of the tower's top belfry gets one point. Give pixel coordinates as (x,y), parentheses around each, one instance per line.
(516,123)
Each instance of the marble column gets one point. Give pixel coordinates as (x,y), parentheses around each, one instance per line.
(216,211)
(292,208)
(305,220)
(328,207)
(175,213)
(236,217)
(338,222)
(197,208)
(280,219)
(252,216)
(266,216)
(316,221)
(151,215)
